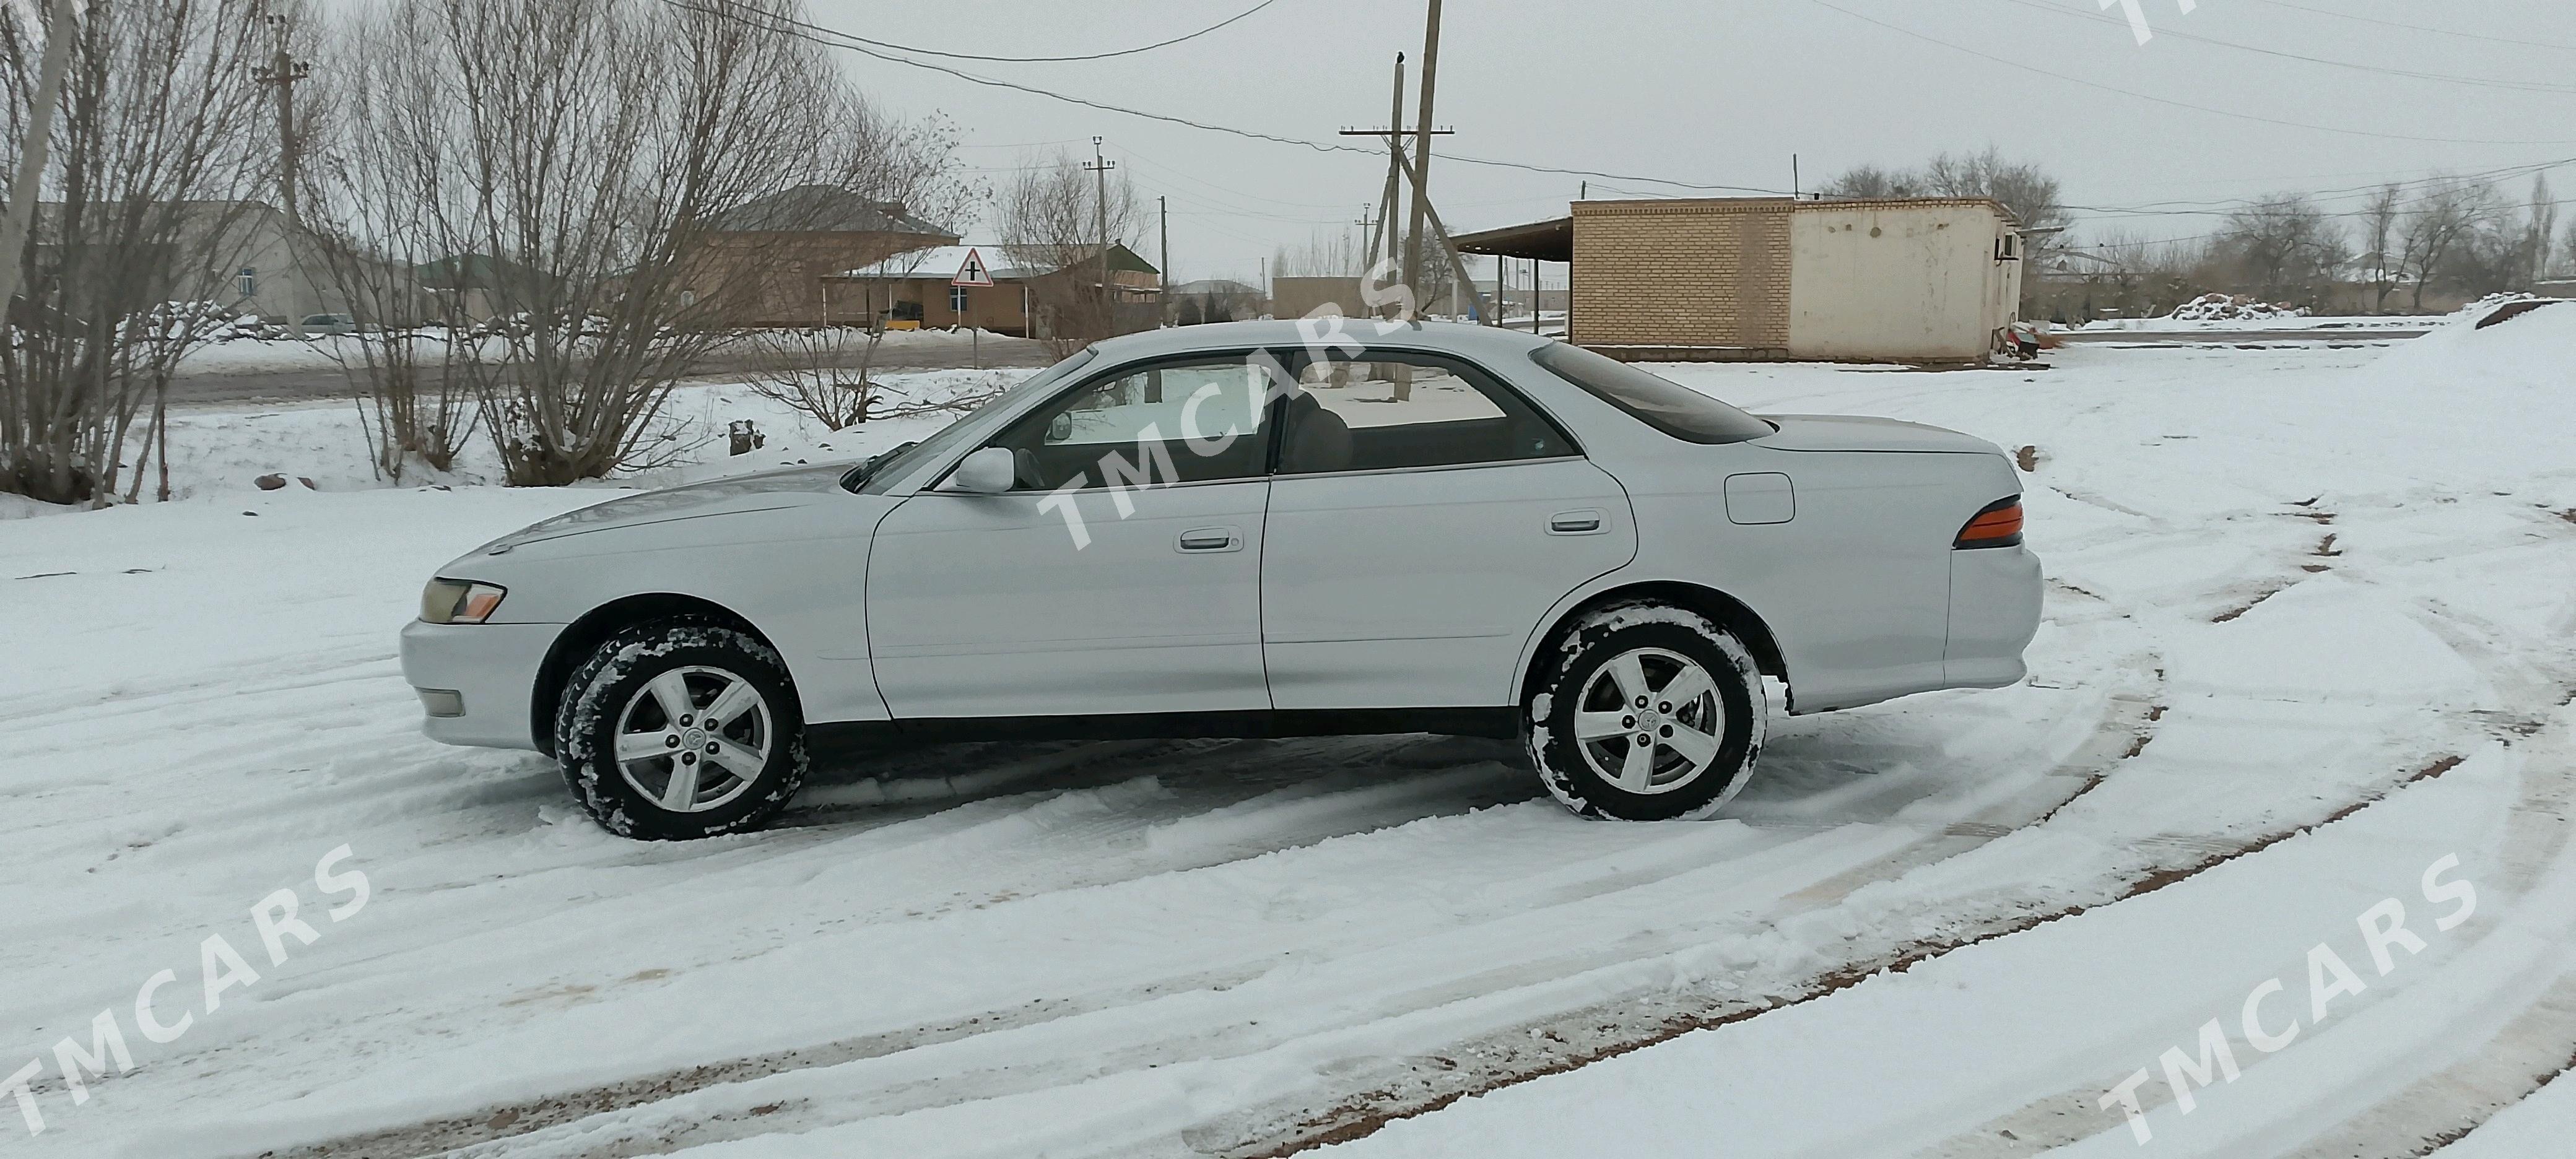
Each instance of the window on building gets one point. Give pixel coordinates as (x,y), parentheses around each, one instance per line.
(957,300)
(247,281)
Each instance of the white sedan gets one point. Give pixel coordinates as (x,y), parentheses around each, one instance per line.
(1246,530)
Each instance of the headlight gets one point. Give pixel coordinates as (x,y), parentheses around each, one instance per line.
(447,601)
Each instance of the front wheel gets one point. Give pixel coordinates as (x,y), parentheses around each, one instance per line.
(681,729)
(1646,712)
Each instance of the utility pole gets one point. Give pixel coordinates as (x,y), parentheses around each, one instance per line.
(1163,206)
(282,71)
(1108,300)
(1394,168)
(1422,153)
(28,184)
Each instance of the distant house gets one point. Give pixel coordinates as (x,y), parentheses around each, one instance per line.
(767,262)
(240,255)
(913,290)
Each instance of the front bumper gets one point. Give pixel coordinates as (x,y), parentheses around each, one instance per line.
(492,671)
(1995,595)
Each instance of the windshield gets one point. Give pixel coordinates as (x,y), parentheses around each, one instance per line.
(875,477)
(1660,403)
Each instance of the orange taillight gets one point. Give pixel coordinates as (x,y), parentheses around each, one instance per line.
(1997,525)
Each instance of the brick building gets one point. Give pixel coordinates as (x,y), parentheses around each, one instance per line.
(1915,280)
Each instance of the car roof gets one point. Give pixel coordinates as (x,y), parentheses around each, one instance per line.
(1455,337)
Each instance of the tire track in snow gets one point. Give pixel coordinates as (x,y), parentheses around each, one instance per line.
(761,1108)
(2444,1106)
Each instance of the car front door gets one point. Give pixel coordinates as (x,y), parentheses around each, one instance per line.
(1423,517)
(1121,575)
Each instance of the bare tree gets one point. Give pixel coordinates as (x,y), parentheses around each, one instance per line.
(382,213)
(583,150)
(825,370)
(2382,255)
(152,157)
(1050,220)
(2285,248)
(2541,231)
(2446,215)
(1339,253)
(1870,181)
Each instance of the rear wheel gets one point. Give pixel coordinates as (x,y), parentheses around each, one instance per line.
(1646,712)
(680,729)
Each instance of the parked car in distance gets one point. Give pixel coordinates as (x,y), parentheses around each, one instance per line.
(316,325)
(1252,529)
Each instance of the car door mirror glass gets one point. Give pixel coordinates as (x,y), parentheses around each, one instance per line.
(985,471)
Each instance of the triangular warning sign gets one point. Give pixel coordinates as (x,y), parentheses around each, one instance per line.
(972,272)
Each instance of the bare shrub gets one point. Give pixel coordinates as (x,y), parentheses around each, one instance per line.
(152,152)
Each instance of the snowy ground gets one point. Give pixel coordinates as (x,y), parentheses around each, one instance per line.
(2308,632)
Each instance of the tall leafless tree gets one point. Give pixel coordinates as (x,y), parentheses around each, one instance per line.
(2440,220)
(2286,249)
(1050,215)
(578,155)
(152,156)
(2382,256)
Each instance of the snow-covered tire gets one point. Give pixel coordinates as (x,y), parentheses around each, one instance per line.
(1594,675)
(755,755)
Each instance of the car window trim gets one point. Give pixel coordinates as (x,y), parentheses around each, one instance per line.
(1479,465)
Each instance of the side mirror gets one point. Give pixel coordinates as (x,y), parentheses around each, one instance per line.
(1060,427)
(990,471)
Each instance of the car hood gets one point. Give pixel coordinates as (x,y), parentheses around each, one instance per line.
(1860,433)
(734,495)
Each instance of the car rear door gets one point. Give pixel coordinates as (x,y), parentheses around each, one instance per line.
(1423,518)
(1122,575)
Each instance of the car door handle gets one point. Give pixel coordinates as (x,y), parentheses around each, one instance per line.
(1212,539)
(1584,522)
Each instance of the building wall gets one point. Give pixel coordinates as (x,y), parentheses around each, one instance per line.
(1699,272)
(776,279)
(1913,281)
(1302,296)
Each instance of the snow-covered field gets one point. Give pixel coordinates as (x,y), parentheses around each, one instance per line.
(2308,634)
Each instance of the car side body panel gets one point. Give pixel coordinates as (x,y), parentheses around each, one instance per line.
(1836,533)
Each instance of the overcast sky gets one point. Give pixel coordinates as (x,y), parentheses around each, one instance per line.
(1723,93)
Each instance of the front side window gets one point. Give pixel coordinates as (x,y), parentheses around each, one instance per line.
(1182,422)
(1660,403)
(1390,411)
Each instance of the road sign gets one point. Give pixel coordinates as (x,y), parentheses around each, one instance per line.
(972,272)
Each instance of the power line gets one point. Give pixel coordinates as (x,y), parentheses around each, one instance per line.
(1059,59)
(2378,70)
(833,38)
(2418,27)
(2485,177)
(2239,115)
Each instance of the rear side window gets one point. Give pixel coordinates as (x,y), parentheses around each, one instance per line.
(1397,410)
(1660,403)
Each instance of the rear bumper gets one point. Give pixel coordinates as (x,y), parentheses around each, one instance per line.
(1995,595)
(492,671)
